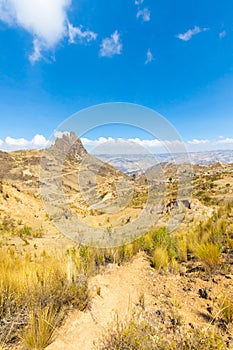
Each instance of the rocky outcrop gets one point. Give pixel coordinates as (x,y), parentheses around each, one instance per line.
(70,146)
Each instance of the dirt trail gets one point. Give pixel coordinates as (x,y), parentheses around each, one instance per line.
(119,293)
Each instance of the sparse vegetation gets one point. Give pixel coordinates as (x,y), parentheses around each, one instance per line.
(37,288)
(144,332)
(54,284)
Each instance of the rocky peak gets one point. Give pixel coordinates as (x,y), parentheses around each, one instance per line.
(70,145)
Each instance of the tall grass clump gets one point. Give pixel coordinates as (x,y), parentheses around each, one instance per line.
(41,326)
(226,309)
(182,246)
(160,259)
(209,254)
(36,288)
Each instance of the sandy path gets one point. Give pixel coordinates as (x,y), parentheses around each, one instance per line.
(120,291)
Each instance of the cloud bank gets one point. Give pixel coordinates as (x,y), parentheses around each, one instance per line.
(104,144)
(13,144)
(157,146)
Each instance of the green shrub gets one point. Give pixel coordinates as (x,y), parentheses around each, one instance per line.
(26,231)
(162,238)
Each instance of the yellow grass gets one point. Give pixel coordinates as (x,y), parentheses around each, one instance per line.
(160,258)
(34,290)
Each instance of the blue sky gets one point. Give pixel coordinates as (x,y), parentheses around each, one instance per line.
(60,56)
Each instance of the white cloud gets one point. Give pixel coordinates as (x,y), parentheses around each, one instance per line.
(58,134)
(96,143)
(205,145)
(190,33)
(36,54)
(149,57)
(155,142)
(46,20)
(135,145)
(82,35)
(198,142)
(144,14)
(120,145)
(221,140)
(222,34)
(111,46)
(104,145)
(15,142)
(37,142)
(227,140)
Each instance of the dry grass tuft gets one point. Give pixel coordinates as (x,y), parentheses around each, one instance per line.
(160,258)
(34,291)
(226,309)
(41,326)
(209,254)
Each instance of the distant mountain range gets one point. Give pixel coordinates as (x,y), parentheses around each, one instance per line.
(130,163)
